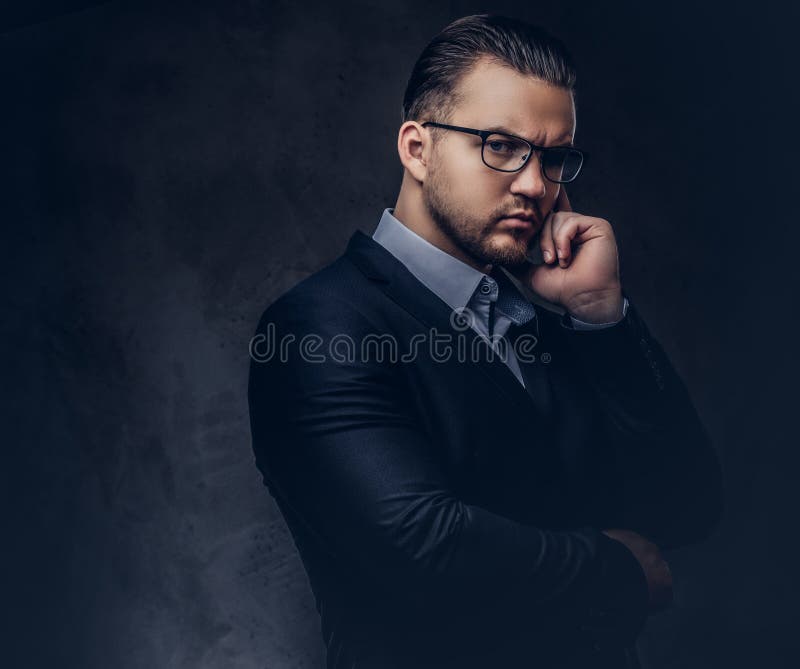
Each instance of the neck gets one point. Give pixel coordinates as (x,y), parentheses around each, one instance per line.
(411,211)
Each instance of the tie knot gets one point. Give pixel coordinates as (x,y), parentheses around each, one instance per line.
(511,301)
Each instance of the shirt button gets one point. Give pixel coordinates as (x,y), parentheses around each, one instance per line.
(486,288)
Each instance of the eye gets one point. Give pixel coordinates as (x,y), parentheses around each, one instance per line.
(499,146)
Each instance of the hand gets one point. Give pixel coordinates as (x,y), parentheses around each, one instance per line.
(656,569)
(581,270)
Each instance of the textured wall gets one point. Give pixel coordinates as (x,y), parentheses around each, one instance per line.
(171,168)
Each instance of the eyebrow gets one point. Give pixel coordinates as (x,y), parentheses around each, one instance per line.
(503,129)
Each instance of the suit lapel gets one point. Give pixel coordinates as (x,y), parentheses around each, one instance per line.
(401,286)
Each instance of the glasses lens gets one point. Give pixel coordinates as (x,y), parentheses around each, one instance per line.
(505,153)
(562,164)
(509,154)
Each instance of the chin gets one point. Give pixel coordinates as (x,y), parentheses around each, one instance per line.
(510,254)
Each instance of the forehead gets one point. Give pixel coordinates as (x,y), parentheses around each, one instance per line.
(492,94)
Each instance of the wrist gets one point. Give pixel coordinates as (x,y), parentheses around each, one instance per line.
(602,308)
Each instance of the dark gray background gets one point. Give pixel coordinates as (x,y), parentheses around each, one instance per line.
(170,168)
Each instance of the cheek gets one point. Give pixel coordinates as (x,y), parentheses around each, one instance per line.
(472,188)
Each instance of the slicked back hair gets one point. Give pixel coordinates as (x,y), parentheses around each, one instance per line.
(431,93)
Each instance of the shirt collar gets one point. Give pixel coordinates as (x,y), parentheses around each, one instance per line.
(448,277)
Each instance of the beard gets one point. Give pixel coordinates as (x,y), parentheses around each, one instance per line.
(476,237)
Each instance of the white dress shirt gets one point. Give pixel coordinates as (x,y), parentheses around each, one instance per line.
(455,282)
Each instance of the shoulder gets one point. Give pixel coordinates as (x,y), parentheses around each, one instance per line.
(318,336)
(335,297)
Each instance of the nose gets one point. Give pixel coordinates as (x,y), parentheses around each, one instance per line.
(530,181)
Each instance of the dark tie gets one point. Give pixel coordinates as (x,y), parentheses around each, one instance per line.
(523,314)
(510,301)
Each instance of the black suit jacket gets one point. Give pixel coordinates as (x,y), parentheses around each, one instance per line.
(443,518)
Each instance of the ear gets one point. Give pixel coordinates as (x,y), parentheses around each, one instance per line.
(414,148)
(562,201)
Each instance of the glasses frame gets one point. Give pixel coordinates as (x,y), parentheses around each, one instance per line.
(485,134)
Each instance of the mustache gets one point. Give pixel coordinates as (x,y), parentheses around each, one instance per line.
(533,213)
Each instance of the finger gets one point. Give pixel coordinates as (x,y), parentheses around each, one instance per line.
(546,239)
(562,201)
(564,230)
(571,230)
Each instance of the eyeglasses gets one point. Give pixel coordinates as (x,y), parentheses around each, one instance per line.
(509,153)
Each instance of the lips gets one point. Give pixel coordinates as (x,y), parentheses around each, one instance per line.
(520,221)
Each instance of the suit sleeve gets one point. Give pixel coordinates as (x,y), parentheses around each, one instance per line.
(672,480)
(337,440)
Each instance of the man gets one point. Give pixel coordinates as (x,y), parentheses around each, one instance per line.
(486,504)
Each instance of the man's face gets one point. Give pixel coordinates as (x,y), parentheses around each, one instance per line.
(467,199)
